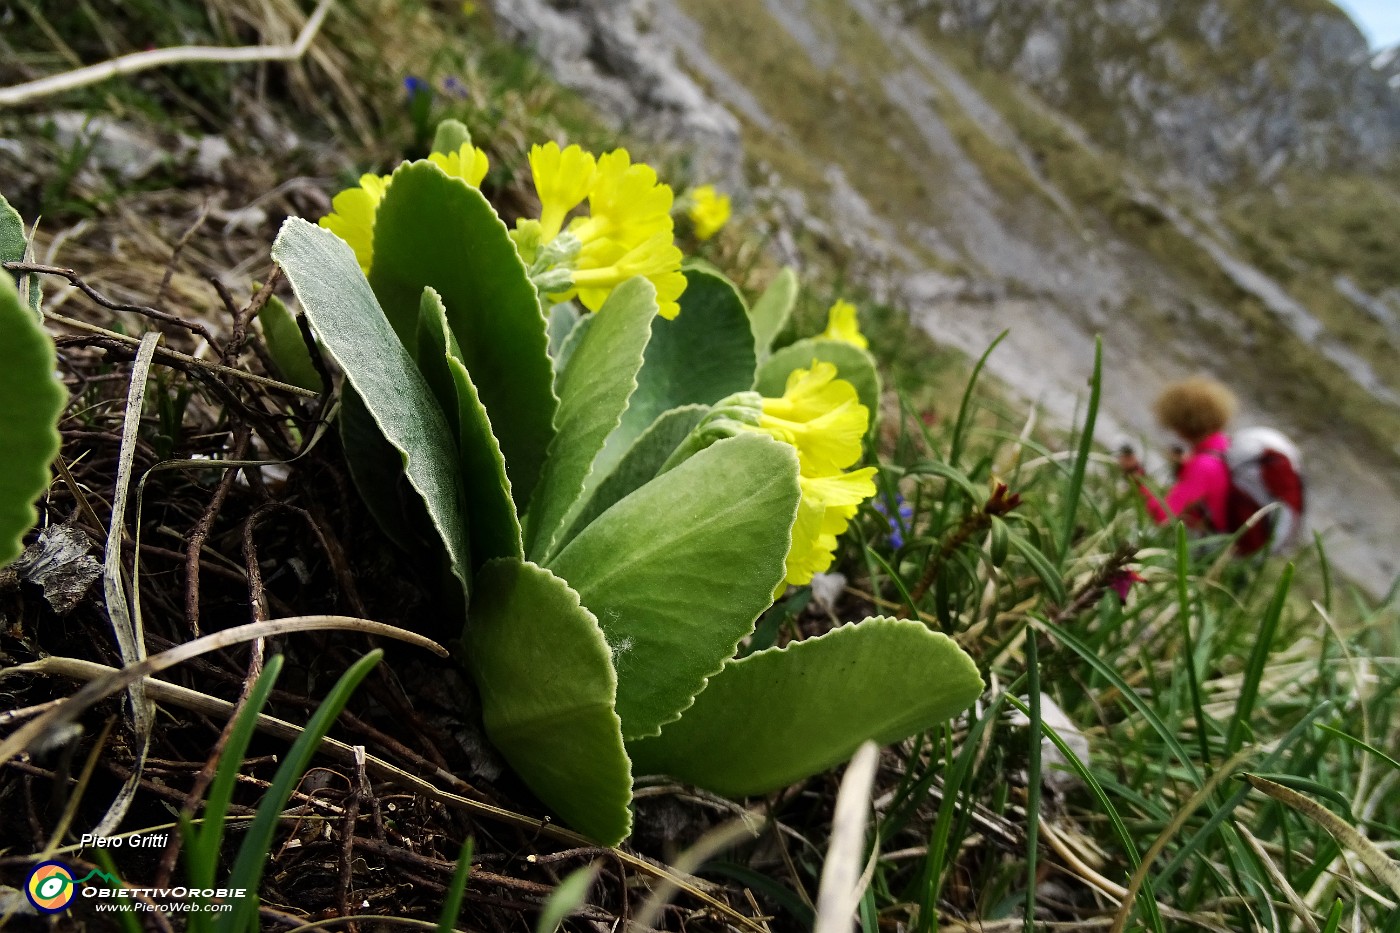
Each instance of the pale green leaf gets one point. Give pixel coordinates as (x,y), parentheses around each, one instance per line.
(640,465)
(547,686)
(562,320)
(351,326)
(593,394)
(14,247)
(567,344)
(432,230)
(287,347)
(703,355)
(376,468)
(492,526)
(853,364)
(678,571)
(34,399)
(782,714)
(771,311)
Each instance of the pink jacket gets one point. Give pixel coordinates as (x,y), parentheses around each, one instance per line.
(1200,492)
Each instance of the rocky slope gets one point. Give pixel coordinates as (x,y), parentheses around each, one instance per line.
(1208,184)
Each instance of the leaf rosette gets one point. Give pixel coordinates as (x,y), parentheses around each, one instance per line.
(609,583)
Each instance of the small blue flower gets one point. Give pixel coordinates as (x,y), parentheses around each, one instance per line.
(904,512)
(415,86)
(451,85)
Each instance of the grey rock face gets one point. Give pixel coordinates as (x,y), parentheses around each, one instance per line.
(1218,92)
(608,51)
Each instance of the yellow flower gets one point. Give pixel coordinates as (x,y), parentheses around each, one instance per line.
(353,210)
(467,163)
(828,503)
(352,216)
(841,324)
(562,180)
(626,205)
(821,416)
(657,259)
(628,230)
(709,211)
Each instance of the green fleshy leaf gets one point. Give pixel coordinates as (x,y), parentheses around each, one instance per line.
(351,326)
(34,400)
(678,572)
(286,346)
(568,343)
(782,714)
(548,690)
(492,525)
(14,247)
(562,320)
(771,311)
(432,230)
(705,354)
(640,465)
(853,364)
(376,468)
(593,394)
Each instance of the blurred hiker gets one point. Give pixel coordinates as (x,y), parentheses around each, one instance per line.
(1197,410)
(1222,482)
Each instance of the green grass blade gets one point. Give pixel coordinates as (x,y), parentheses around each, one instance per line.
(253,853)
(126,913)
(1353,740)
(1120,829)
(1081,460)
(1258,658)
(1334,917)
(1042,566)
(935,865)
(960,426)
(571,894)
(1033,775)
(1224,811)
(452,902)
(202,851)
(1105,670)
(1183,601)
(904,593)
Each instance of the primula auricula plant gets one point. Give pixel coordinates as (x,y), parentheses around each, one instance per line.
(617,496)
(708,211)
(842,324)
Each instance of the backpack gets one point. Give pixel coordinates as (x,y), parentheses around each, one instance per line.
(1265,470)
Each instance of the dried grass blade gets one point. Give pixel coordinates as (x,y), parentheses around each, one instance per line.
(841,887)
(107,685)
(1384,867)
(126,623)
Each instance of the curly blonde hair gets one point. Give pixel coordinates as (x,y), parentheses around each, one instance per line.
(1196,407)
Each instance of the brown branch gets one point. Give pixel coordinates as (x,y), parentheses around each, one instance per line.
(195,543)
(144,310)
(185,361)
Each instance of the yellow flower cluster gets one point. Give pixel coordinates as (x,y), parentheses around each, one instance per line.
(628,230)
(353,210)
(708,211)
(823,418)
(841,324)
